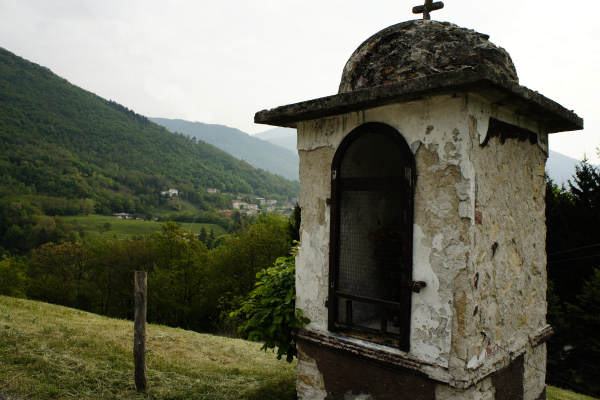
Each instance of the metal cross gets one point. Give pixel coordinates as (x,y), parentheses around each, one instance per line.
(427,8)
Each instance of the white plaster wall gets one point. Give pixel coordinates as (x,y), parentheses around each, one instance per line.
(505,281)
(309,382)
(437,129)
(469,289)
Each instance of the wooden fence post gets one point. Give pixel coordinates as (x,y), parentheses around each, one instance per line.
(139,331)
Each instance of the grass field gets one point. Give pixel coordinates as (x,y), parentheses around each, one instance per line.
(560,394)
(107,227)
(54,352)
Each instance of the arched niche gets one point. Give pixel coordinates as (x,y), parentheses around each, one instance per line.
(372,187)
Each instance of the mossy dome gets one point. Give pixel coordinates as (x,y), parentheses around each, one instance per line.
(420,48)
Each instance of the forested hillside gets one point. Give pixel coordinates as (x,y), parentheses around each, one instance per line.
(69,145)
(259,153)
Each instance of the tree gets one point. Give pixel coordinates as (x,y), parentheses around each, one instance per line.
(573,247)
(211,239)
(294,224)
(203,235)
(12,277)
(585,186)
(177,284)
(236,261)
(58,272)
(586,322)
(269,312)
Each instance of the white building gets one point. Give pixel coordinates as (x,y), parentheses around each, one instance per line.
(170,193)
(422,266)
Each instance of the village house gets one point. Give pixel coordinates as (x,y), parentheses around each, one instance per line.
(238,204)
(170,193)
(122,215)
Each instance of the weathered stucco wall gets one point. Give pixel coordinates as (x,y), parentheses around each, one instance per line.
(504,284)
(467,198)
(441,141)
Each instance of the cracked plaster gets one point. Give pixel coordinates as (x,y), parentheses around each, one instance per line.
(470,287)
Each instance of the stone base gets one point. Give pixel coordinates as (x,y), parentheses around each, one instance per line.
(326,373)
(333,375)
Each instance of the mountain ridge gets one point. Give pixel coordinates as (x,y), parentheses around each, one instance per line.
(61,140)
(285,137)
(259,153)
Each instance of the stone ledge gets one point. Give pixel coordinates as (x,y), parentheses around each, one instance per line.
(542,336)
(389,357)
(393,358)
(502,92)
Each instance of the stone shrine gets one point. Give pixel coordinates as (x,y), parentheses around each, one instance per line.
(422,266)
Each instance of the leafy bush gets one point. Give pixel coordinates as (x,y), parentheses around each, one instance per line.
(270,311)
(12,277)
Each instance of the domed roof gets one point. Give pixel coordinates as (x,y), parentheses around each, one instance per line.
(420,48)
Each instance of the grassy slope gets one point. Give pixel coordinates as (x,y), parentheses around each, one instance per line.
(560,394)
(53,352)
(93,226)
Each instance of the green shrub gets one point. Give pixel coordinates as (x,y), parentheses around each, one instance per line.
(12,277)
(270,311)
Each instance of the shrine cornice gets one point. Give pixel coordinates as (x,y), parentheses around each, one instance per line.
(482,80)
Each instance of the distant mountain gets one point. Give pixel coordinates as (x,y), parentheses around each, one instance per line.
(284,137)
(560,168)
(259,153)
(59,140)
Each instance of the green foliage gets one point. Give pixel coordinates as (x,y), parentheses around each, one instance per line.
(98,227)
(257,152)
(294,224)
(572,243)
(22,227)
(270,309)
(189,285)
(586,318)
(77,153)
(58,273)
(13,278)
(177,283)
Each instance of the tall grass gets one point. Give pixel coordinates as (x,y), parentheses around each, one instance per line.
(53,352)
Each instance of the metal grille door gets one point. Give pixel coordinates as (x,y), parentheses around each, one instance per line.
(372,185)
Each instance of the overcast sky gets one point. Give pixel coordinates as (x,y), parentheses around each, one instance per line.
(221,61)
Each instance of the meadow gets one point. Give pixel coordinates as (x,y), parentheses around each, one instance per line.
(54,352)
(109,227)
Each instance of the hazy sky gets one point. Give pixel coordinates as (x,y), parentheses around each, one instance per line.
(221,61)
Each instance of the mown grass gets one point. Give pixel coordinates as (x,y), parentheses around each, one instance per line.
(108,227)
(561,394)
(54,352)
